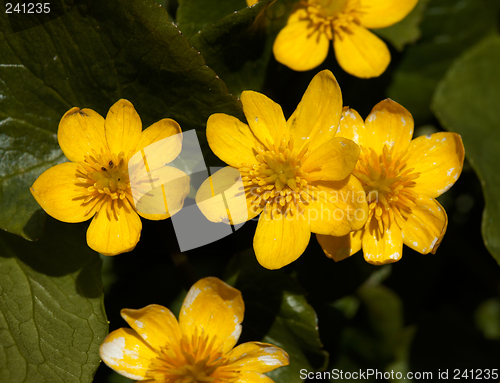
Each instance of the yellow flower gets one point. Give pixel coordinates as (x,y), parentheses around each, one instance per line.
(304,42)
(296,172)
(198,348)
(401,177)
(96,183)
(251,2)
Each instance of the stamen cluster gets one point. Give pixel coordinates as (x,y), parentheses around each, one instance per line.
(388,185)
(192,360)
(277,183)
(332,17)
(105,179)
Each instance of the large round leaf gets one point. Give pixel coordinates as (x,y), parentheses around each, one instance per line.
(467,102)
(449,27)
(51,311)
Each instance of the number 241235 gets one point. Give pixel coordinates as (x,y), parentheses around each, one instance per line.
(27,8)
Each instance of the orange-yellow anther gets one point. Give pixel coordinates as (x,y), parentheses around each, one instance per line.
(193,360)
(332,16)
(107,176)
(388,184)
(281,182)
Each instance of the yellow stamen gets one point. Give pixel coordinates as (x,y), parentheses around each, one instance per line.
(387,184)
(281,183)
(107,176)
(332,17)
(193,360)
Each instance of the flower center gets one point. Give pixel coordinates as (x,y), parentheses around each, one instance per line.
(331,7)
(388,185)
(106,180)
(277,183)
(193,360)
(332,17)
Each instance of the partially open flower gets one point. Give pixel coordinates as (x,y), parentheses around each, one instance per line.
(198,348)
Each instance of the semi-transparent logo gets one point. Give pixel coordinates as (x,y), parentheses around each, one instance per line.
(164,179)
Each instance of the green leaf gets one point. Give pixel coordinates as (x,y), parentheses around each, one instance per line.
(238,44)
(277,312)
(52,317)
(378,325)
(466,102)
(402,361)
(238,48)
(383,311)
(194,15)
(379,322)
(407,31)
(91,56)
(25,152)
(449,27)
(487,318)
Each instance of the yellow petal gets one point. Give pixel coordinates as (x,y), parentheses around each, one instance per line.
(353,127)
(79,132)
(439,159)
(215,308)
(123,127)
(163,140)
(156,325)
(299,46)
(339,248)
(389,124)
(332,161)
(317,117)
(156,188)
(383,13)
(264,116)
(114,233)
(361,53)
(126,352)
(381,248)
(280,240)
(257,357)
(251,2)
(338,207)
(61,195)
(222,198)
(160,193)
(231,140)
(253,377)
(425,227)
